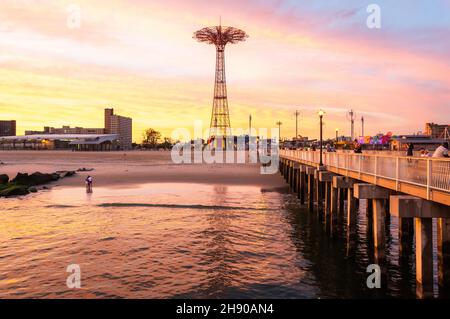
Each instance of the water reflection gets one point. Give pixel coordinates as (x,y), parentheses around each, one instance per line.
(340,264)
(188,240)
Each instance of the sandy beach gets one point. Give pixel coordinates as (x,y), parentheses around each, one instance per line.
(131,168)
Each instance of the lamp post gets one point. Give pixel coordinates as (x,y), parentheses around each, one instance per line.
(249,127)
(337,134)
(279,130)
(321,114)
(297,113)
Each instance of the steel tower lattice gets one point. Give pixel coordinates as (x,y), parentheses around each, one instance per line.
(220,36)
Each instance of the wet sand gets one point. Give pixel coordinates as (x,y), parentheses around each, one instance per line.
(131,168)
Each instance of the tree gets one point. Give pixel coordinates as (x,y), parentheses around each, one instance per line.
(167,144)
(151,138)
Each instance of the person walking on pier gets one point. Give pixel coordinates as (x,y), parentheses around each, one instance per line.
(357,147)
(441,151)
(410,150)
(425,153)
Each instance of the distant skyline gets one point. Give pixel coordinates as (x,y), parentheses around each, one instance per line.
(139,57)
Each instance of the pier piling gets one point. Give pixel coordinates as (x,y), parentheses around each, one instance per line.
(404,206)
(295,178)
(319,188)
(310,175)
(327,178)
(302,184)
(443,232)
(377,195)
(415,212)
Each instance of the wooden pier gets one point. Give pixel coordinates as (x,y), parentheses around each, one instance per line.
(414,190)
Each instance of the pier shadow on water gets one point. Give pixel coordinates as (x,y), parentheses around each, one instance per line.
(339,263)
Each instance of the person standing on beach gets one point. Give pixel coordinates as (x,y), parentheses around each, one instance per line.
(89,180)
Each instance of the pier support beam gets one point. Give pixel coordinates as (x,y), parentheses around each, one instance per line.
(351,212)
(319,187)
(286,169)
(327,178)
(423,211)
(295,177)
(351,221)
(346,183)
(379,229)
(289,173)
(339,186)
(377,195)
(424,257)
(341,198)
(443,232)
(328,188)
(343,184)
(302,184)
(292,176)
(333,206)
(310,176)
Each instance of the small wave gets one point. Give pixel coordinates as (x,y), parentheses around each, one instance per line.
(60,206)
(180,206)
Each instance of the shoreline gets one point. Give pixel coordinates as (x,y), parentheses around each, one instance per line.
(136,167)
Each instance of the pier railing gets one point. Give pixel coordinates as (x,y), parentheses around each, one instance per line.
(430,174)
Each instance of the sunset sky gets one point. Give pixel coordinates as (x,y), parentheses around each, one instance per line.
(139,57)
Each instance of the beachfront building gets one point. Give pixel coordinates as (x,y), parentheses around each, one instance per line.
(401,142)
(76,142)
(120,125)
(67,130)
(438,130)
(8,128)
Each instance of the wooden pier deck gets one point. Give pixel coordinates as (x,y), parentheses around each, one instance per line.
(427,178)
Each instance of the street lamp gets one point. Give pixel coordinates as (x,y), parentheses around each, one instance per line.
(321,114)
(297,113)
(279,130)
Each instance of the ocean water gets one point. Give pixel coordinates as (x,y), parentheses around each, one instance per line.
(178,240)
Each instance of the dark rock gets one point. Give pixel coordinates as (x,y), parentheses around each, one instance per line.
(23,183)
(63,174)
(14,190)
(39,178)
(33,179)
(21,178)
(70,173)
(4,179)
(84,169)
(32,190)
